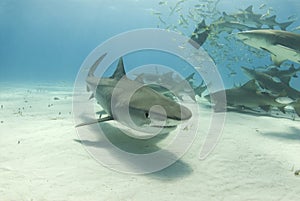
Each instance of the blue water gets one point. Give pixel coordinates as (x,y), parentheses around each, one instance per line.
(49,40)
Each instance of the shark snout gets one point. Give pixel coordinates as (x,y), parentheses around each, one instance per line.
(247,71)
(176,112)
(185,113)
(179,113)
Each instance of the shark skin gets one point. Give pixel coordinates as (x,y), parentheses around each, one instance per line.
(228,27)
(284,75)
(115,94)
(271,22)
(248,96)
(247,17)
(282,45)
(267,82)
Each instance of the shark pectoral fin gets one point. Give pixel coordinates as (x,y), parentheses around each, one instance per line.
(265,108)
(277,60)
(265,49)
(92,96)
(108,118)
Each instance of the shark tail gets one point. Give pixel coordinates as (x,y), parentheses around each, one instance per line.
(199,35)
(95,65)
(284,25)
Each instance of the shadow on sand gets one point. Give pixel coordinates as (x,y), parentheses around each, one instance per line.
(258,113)
(293,134)
(128,144)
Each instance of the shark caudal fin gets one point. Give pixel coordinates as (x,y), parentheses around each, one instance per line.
(120,71)
(91,80)
(95,65)
(284,25)
(199,35)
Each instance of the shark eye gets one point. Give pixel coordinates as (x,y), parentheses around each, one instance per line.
(147,114)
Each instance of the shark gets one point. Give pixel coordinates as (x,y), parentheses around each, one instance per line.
(119,93)
(284,75)
(271,22)
(275,86)
(203,31)
(170,86)
(282,45)
(228,27)
(200,34)
(248,17)
(247,96)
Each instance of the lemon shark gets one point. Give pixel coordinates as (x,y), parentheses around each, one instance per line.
(248,17)
(117,94)
(273,84)
(247,96)
(282,45)
(284,75)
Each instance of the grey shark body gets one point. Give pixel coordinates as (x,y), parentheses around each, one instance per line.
(118,93)
(248,96)
(228,27)
(271,23)
(249,18)
(282,45)
(275,86)
(246,16)
(284,75)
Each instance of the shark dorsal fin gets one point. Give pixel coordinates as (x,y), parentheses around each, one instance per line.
(250,85)
(272,17)
(120,71)
(190,77)
(249,9)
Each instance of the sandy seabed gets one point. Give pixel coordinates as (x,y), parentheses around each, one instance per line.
(41,157)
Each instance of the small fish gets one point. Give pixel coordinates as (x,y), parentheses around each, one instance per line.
(232,74)
(163,3)
(284,100)
(262,6)
(184,20)
(292,17)
(200,5)
(296,29)
(178,10)
(161,20)
(156,13)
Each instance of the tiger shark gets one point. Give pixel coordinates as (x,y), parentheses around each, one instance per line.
(117,93)
(282,45)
